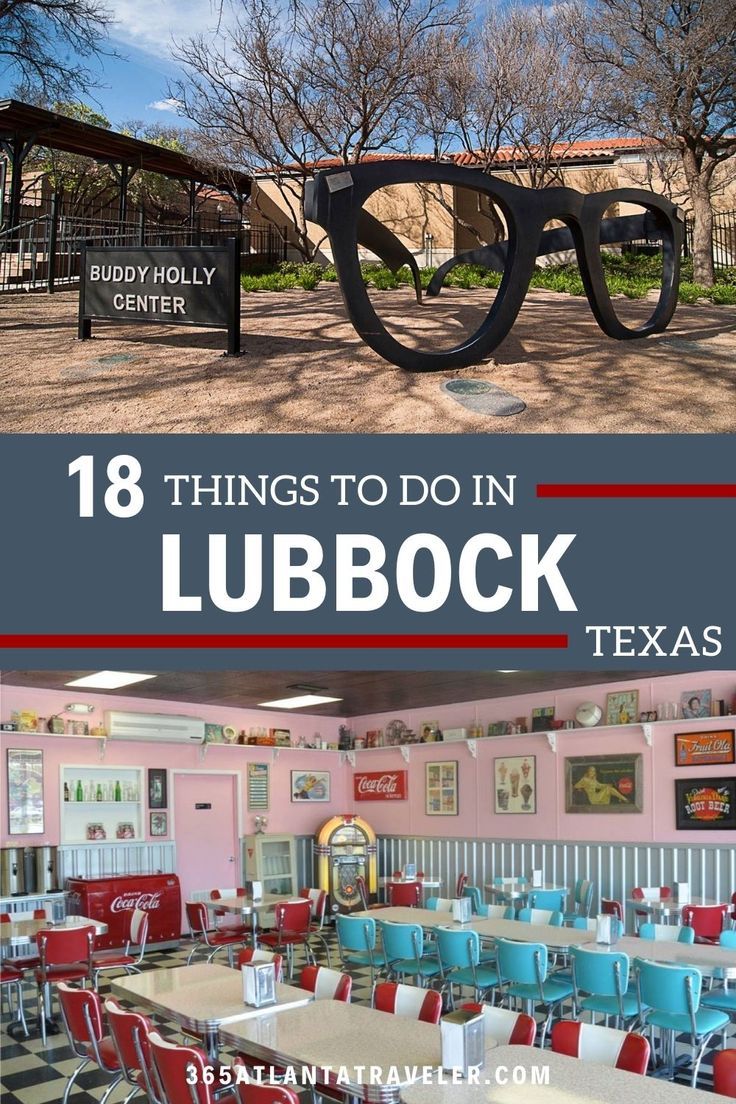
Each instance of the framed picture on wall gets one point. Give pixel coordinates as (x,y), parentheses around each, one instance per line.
(622,707)
(310,785)
(695,703)
(258,787)
(695,749)
(704,804)
(159,824)
(515,784)
(158,797)
(441,788)
(604,784)
(25,792)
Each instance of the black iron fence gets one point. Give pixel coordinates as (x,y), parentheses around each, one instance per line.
(724,239)
(43,253)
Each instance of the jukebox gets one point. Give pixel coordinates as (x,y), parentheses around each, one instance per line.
(344,848)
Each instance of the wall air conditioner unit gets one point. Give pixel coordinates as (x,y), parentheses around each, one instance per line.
(155,728)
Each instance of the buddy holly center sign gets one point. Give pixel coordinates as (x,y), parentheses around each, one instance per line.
(184,285)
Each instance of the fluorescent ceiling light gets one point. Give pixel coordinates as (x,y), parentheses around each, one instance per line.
(508,672)
(299,702)
(109,680)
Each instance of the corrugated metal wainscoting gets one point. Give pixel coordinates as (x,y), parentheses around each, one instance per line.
(305,860)
(100,861)
(614,867)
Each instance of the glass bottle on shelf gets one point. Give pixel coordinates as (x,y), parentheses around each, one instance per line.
(118,792)
(80,791)
(98,792)
(66,791)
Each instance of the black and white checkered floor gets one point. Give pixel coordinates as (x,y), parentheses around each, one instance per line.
(33,1074)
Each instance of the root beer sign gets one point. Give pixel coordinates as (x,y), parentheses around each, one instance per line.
(706,803)
(380,785)
(186,285)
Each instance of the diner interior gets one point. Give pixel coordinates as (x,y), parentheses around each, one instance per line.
(499,886)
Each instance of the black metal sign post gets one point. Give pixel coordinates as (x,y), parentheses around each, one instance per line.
(184,285)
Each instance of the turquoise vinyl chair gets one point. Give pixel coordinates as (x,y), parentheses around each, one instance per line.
(439,904)
(458,951)
(590,923)
(540,916)
(551,899)
(403,950)
(356,940)
(582,900)
(669,998)
(723,999)
(499,881)
(476,900)
(601,983)
(667,933)
(523,973)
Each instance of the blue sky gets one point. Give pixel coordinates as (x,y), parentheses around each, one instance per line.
(133,86)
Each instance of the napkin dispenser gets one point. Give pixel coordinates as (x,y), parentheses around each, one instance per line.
(256,890)
(683,893)
(259,983)
(410,871)
(462,910)
(462,1041)
(607,929)
(537,879)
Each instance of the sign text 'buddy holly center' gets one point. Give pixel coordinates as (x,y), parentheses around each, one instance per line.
(183,285)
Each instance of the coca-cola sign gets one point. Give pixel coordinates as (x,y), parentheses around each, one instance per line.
(380,785)
(132,900)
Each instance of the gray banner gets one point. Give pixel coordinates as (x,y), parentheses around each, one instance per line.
(627,562)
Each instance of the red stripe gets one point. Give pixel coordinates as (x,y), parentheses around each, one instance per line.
(299,640)
(636,490)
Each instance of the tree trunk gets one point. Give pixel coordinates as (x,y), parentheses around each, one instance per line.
(703,272)
(698,174)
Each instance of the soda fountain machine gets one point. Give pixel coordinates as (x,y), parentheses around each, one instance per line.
(344,848)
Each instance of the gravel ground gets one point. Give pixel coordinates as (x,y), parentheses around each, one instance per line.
(305,371)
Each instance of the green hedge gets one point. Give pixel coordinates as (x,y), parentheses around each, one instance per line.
(629,274)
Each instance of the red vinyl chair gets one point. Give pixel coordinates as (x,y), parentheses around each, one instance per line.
(404,894)
(363,895)
(724,1072)
(11,981)
(462,881)
(228,921)
(318,900)
(65,955)
(264,1093)
(326,984)
(23,962)
(257,954)
(129,1032)
(293,919)
(707,921)
(624,1050)
(81,1010)
(408,1000)
(124,960)
(609,907)
(732,910)
(204,939)
(180,1072)
(508,1028)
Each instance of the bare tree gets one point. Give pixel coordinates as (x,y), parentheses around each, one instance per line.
(667,69)
(509,82)
(280,88)
(46,44)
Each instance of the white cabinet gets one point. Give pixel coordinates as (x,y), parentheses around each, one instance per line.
(101,804)
(270,859)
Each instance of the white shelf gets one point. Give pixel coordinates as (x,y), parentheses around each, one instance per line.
(92,804)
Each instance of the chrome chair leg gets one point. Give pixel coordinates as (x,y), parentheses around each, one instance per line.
(73,1078)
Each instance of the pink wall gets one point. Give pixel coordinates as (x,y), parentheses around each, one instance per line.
(299,818)
(476,806)
(476,816)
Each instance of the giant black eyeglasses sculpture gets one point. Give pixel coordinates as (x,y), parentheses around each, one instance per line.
(406,333)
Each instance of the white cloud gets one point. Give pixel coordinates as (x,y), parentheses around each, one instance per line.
(152,27)
(164,105)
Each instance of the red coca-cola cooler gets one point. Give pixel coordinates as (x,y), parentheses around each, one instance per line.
(111,900)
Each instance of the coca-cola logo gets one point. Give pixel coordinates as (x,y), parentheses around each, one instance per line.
(133,899)
(380,786)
